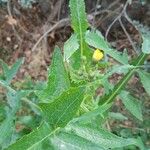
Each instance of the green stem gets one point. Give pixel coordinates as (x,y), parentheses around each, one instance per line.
(121,84)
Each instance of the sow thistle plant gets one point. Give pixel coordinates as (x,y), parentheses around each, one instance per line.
(72,115)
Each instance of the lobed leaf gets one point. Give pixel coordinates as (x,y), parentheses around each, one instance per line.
(71,141)
(132,105)
(58,80)
(145,79)
(98,137)
(78,17)
(10,73)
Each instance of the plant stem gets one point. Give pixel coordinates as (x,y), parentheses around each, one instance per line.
(121,84)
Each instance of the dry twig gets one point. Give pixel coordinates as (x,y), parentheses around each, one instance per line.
(10,14)
(118,18)
(59,24)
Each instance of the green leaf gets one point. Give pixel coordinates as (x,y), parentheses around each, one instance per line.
(146,44)
(122,83)
(14,69)
(14,99)
(78,16)
(119,69)
(6,130)
(70,46)
(10,73)
(70,141)
(58,80)
(57,113)
(33,140)
(117,116)
(107,85)
(63,109)
(79,22)
(2,112)
(96,40)
(132,105)
(141,144)
(87,117)
(75,60)
(123,69)
(99,137)
(5,85)
(5,67)
(145,79)
(8,127)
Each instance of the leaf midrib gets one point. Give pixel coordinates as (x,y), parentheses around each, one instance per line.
(43,138)
(80,29)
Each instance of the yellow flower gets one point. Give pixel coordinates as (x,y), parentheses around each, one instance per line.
(98,55)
